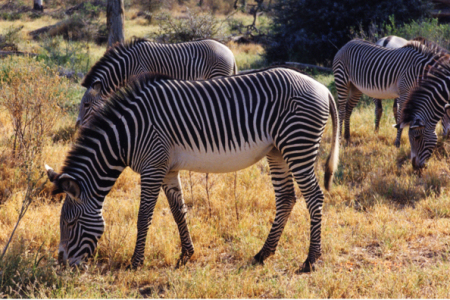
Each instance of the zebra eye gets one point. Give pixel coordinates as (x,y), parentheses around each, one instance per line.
(87,104)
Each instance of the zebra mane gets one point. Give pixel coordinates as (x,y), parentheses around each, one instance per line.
(429,44)
(114,52)
(98,121)
(270,68)
(426,47)
(426,83)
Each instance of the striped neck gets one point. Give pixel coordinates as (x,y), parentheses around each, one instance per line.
(96,162)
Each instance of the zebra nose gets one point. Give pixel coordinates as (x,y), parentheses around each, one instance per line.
(61,258)
(415,166)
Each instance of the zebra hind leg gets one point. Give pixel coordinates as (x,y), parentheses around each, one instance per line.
(285,200)
(313,195)
(172,189)
(353,99)
(378,113)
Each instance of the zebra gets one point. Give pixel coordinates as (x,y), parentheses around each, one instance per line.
(425,106)
(394,42)
(390,42)
(202,59)
(159,126)
(362,67)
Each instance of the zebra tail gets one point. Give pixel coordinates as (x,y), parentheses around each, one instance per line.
(333,158)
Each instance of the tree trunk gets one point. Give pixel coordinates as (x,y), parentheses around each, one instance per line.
(114,21)
(38,5)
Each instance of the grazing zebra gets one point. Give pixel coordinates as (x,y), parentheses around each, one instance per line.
(196,60)
(425,106)
(394,42)
(158,126)
(390,42)
(362,67)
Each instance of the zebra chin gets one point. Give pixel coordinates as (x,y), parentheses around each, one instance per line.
(418,164)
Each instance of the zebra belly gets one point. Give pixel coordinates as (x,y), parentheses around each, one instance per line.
(219,162)
(389,93)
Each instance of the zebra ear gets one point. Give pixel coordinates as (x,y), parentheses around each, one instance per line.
(69,185)
(417,123)
(65,183)
(401,125)
(447,109)
(50,173)
(97,86)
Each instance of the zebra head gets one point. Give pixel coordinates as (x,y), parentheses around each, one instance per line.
(81,226)
(423,140)
(91,102)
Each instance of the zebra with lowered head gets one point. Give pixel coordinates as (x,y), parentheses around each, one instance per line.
(362,67)
(394,42)
(159,126)
(202,59)
(425,106)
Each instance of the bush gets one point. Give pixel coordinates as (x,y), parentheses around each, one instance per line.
(72,57)
(25,274)
(196,25)
(428,28)
(32,95)
(312,31)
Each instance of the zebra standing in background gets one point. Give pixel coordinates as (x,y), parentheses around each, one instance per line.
(362,67)
(196,60)
(158,126)
(394,42)
(425,106)
(390,42)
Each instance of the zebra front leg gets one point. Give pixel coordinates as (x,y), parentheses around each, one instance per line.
(285,200)
(151,182)
(378,113)
(395,109)
(172,189)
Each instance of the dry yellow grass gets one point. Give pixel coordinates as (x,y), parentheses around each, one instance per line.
(385,233)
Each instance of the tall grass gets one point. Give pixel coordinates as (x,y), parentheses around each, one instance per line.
(385,233)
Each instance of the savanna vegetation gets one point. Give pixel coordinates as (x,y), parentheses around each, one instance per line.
(386,229)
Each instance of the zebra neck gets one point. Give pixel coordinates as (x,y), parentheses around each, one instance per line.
(96,162)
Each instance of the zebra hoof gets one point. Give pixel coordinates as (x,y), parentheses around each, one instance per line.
(258,259)
(130,268)
(184,258)
(397,144)
(307,267)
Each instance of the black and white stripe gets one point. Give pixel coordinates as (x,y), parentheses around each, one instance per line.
(195,60)
(424,107)
(362,67)
(395,42)
(159,126)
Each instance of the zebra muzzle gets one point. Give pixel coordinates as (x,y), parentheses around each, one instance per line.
(61,259)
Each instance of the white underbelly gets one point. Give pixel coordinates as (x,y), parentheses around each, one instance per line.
(223,162)
(390,93)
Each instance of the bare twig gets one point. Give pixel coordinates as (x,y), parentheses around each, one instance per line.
(207,194)
(32,191)
(235,196)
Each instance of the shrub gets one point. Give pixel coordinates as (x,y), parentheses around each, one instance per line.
(196,25)
(25,274)
(32,95)
(72,57)
(312,31)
